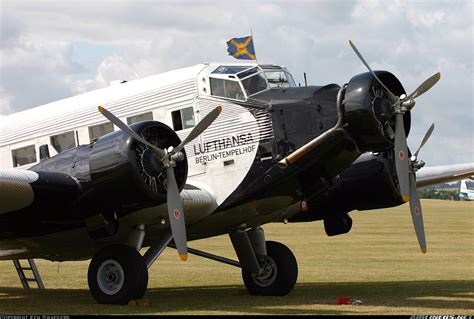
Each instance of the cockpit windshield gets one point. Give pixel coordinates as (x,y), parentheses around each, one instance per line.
(470,185)
(254,83)
(241,82)
(279,78)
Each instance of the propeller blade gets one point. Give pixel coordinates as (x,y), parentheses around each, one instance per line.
(425,139)
(391,96)
(176,214)
(416,214)
(124,127)
(425,86)
(401,157)
(199,128)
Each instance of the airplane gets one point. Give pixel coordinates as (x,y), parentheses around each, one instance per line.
(127,167)
(466,190)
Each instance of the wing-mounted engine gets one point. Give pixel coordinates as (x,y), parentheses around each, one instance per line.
(369,183)
(127,173)
(138,166)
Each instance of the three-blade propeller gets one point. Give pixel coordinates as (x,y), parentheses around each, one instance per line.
(406,167)
(415,204)
(168,160)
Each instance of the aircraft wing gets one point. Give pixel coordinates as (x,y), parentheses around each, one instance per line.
(11,252)
(56,202)
(428,176)
(16,191)
(39,194)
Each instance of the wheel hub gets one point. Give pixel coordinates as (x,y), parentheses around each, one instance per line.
(268,274)
(110,277)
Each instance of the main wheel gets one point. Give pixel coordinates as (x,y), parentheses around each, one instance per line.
(279,274)
(117,274)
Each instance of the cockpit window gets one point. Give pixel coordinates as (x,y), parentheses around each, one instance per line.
(247,73)
(279,78)
(226,88)
(240,82)
(254,84)
(229,69)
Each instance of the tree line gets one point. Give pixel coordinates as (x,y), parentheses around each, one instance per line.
(452,194)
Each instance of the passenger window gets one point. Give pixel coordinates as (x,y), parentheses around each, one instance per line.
(183,119)
(24,155)
(62,142)
(187,115)
(141,117)
(100,130)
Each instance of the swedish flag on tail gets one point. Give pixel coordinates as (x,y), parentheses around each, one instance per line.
(242,48)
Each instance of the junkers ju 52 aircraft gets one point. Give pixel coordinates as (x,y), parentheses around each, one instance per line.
(265,150)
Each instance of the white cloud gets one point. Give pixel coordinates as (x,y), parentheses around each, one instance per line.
(5,102)
(113,68)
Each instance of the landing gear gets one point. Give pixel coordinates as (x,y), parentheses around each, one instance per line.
(277,275)
(268,268)
(117,274)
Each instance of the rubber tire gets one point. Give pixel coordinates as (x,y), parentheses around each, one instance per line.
(135,274)
(287,272)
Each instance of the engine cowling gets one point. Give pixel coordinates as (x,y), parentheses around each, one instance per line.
(371,121)
(126,173)
(369,183)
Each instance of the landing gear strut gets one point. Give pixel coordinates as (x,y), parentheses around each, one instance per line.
(268,268)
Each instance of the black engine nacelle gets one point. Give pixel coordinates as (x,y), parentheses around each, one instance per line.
(127,174)
(369,183)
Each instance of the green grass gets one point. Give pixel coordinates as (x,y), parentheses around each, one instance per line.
(378,262)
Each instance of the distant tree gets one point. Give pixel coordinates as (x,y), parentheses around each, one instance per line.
(430,193)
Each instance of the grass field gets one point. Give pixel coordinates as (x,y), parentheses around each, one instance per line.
(378,262)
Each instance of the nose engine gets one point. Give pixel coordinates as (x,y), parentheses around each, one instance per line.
(369,112)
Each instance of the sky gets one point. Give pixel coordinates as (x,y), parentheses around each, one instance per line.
(51,50)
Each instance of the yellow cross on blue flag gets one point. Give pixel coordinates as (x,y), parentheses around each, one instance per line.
(241,48)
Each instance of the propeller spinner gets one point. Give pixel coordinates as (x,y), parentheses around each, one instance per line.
(406,167)
(168,159)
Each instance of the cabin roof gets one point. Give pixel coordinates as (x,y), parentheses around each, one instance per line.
(53,115)
(29,119)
